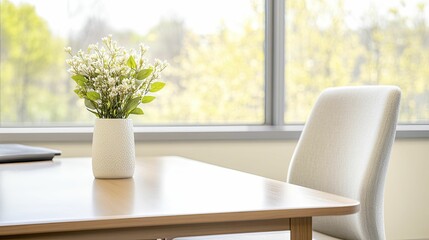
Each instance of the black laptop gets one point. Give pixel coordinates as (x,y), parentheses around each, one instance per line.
(10,153)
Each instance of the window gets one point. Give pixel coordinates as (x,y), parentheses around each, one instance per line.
(257,63)
(216,56)
(349,42)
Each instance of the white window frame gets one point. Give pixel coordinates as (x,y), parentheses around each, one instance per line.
(273,128)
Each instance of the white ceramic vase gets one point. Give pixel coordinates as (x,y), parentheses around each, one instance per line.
(113,148)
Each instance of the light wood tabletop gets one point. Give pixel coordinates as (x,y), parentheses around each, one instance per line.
(167,197)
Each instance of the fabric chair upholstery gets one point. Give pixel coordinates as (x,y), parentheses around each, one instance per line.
(344,149)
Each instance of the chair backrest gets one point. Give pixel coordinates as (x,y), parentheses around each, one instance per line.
(344,149)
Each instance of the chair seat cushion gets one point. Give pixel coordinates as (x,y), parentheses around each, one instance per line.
(280,235)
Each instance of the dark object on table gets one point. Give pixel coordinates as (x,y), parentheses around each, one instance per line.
(10,153)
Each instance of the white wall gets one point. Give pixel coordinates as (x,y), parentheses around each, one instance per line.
(407,183)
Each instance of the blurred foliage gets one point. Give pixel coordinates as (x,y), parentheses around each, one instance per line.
(215,78)
(31,67)
(218,78)
(323,51)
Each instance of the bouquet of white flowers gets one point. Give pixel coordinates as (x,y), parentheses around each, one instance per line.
(113,81)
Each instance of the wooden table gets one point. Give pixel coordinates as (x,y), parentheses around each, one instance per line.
(168,197)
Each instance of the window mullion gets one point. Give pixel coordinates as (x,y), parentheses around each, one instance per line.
(274,62)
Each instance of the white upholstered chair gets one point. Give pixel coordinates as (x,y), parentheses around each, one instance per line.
(344,149)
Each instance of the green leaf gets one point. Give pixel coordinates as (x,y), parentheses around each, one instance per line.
(137,111)
(131,62)
(138,82)
(80,80)
(156,86)
(92,111)
(148,99)
(94,96)
(144,73)
(89,104)
(77,91)
(133,103)
(78,77)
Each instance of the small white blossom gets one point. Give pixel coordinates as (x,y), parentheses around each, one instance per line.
(113,92)
(67,50)
(143,48)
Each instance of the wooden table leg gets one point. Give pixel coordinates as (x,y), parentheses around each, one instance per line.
(301,228)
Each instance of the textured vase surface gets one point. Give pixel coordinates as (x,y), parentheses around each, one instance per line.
(113,148)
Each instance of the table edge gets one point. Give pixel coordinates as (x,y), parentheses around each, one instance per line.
(145,221)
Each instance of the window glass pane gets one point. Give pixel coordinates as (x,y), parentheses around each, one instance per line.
(215,51)
(351,42)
